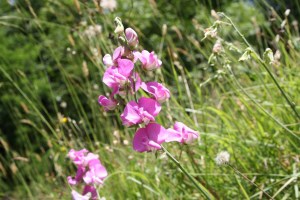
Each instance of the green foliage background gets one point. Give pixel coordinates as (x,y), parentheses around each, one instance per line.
(44,61)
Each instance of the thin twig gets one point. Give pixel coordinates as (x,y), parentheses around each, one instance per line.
(247,179)
(292,104)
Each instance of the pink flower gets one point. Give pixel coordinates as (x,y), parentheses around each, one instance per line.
(77,196)
(149,60)
(149,138)
(160,92)
(134,83)
(117,77)
(182,133)
(173,136)
(108,104)
(79,175)
(91,158)
(143,111)
(90,191)
(89,168)
(78,157)
(131,37)
(107,60)
(95,175)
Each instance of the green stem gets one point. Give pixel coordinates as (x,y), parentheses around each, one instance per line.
(98,195)
(257,104)
(200,187)
(291,104)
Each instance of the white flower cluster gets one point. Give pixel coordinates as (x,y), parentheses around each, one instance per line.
(222,158)
(92,31)
(108,4)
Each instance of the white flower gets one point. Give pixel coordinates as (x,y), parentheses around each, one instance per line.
(222,158)
(210,32)
(108,4)
(92,31)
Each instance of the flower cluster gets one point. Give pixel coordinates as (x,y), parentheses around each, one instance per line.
(222,158)
(124,80)
(90,171)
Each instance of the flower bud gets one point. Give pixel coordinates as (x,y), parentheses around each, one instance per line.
(132,37)
(108,104)
(287,12)
(119,26)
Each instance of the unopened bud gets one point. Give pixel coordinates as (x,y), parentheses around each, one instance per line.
(268,56)
(119,26)
(132,37)
(85,69)
(287,12)
(214,14)
(164,29)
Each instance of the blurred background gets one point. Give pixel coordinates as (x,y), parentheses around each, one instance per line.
(50,79)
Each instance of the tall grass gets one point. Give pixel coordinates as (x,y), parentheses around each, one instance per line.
(51,78)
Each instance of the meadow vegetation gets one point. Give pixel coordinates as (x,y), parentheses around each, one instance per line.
(232,69)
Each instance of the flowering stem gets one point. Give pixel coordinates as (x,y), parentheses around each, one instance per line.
(200,187)
(247,179)
(291,104)
(134,82)
(264,110)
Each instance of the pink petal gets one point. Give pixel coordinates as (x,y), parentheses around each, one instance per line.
(125,67)
(160,92)
(153,145)
(77,196)
(100,171)
(90,190)
(150,105)
(156,133)
(107,60)
(130,115)
(109,77)
(173,136)
(108,104)
(139,139)
(118,53)
(149,138)
(91,157)
(88,177)
(187,133)
(137,55)
(131,37)
(71,181)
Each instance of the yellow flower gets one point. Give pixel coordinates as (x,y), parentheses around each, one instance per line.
(63,120)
